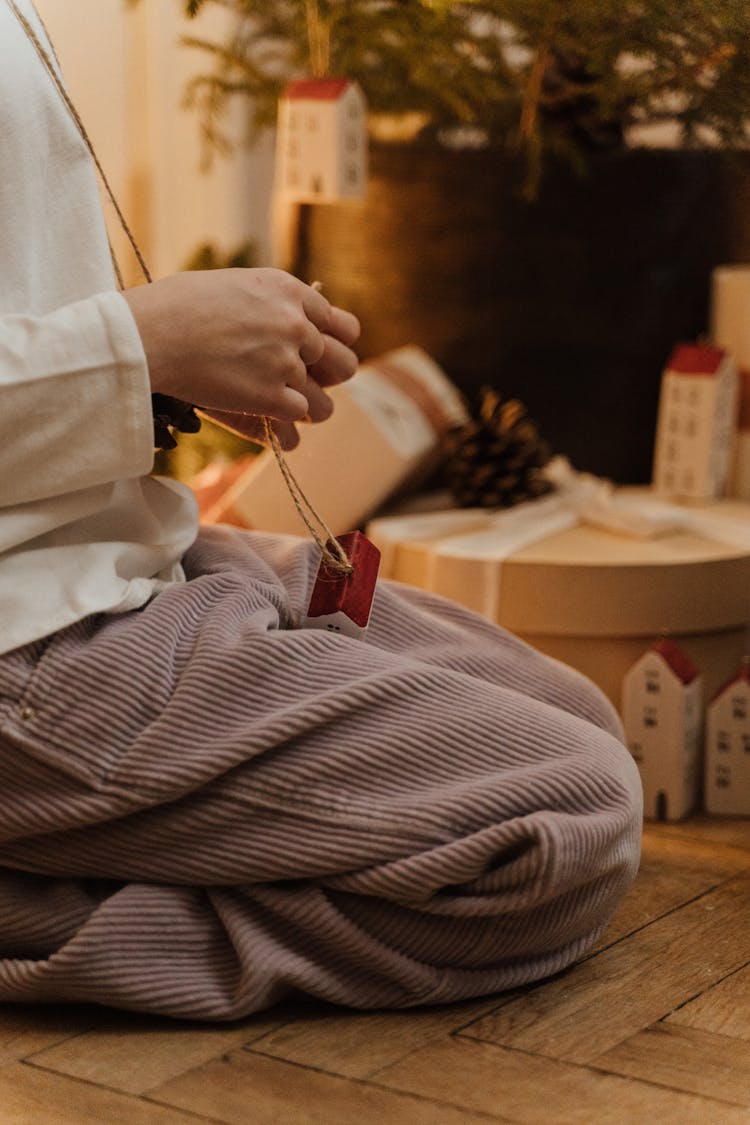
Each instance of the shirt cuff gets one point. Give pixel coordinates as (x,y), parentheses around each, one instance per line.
(75,400)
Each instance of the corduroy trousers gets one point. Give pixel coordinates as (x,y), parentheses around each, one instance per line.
(204,809)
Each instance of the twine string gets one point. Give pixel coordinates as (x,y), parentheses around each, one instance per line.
(333,553)
(49,66)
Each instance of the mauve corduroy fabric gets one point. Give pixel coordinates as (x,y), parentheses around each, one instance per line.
(203,809)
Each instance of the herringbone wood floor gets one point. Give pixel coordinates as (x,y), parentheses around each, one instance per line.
(654,1025)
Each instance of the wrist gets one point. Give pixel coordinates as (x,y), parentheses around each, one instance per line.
(150,326)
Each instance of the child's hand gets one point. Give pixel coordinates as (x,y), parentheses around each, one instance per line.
(243,343)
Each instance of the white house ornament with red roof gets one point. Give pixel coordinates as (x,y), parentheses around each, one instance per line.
(321,146)
(696,422)
(727,776)
(662,708)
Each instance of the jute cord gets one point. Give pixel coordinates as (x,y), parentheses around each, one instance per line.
(49,66)
(333,553)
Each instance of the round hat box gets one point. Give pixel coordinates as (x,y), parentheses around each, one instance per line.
(585,595)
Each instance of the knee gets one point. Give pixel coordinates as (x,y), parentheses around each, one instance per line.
(538,676)
(574,692)
(595,839)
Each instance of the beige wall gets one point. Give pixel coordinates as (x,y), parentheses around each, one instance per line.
(127,72)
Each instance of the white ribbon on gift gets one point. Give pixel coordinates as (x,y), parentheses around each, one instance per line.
(643,515)
(579,498)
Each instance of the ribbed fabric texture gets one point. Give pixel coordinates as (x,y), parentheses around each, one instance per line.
(204,809)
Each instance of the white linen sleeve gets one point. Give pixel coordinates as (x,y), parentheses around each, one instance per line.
(75,400)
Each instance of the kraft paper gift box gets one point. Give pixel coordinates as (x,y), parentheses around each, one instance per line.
(590,575)
(386,430)
(730,329)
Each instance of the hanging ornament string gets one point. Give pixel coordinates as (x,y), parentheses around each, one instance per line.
(52,70)
(334,555)
(177,413)
(169,413)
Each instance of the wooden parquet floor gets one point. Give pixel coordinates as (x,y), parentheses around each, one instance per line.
(653,1026)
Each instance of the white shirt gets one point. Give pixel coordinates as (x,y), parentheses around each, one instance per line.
(83,529)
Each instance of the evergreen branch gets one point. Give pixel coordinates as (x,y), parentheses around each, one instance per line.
(555,76)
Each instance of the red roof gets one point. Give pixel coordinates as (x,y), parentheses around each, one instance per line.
(350,594)
(676,659)
(742,676)
(696,359)
(324,89)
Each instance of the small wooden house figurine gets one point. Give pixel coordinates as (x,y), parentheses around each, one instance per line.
(321,147)
(662,716)
(727,779)
(696,422)
(341,603)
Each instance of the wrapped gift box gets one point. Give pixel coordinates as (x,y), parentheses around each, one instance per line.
(730,329)
(592,581)
(385,432)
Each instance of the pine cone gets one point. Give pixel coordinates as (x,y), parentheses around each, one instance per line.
(495,460)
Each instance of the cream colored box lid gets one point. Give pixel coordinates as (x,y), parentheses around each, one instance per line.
(551,567)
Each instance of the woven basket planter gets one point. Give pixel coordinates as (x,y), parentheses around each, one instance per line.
(572,302)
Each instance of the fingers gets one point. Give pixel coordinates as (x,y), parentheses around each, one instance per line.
(344,325)
(318,309)
(329,318)
(320,405)
(312,345)
(329,352)
(287,434)
(321,320)
(337,363)
(290,371)
(291,406)
(273,400)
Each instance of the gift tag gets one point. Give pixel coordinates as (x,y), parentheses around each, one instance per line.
(341,603)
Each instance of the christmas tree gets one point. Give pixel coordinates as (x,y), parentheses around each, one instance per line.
(548,76)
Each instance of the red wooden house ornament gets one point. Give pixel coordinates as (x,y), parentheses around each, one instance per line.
(341,603)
